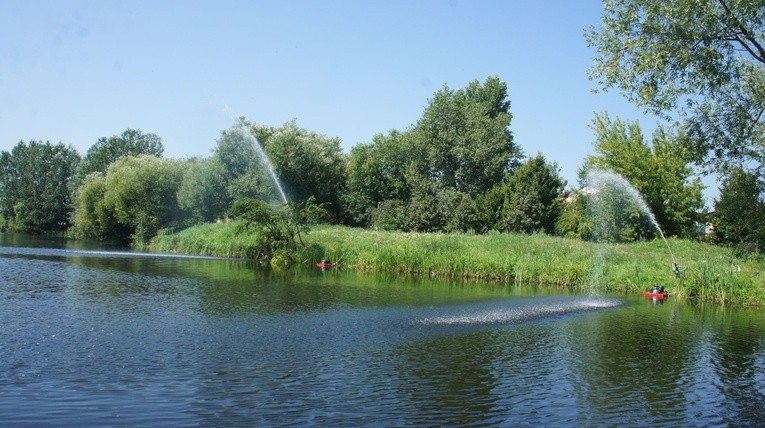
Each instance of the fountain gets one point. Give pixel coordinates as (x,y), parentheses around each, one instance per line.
(244,129)
(599,180)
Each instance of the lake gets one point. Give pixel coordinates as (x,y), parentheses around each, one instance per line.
(104,336)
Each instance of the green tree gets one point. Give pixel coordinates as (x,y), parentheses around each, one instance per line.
(92,217)
(573,221)
(234,171)
(132,202)
(203,192)
(533,199)
(277,229)
(132,142)
(702,60)
(660,171)
(244,173)
(34,186)
(142,191)
(377,172)
(424,211)
(462,141)
(307,164)
(427,178)
(489,208)
(739,213)
(527,201)
(615,215)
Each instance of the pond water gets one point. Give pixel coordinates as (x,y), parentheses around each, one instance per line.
(94,336)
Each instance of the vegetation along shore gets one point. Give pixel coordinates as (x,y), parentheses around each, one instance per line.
(709,273)
(454,195)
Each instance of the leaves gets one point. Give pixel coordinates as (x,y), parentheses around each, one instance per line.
(699,61)
(132,142)
(34,186)
(462,141)
(660,171)
(739,217)
(277,229)
(132,201)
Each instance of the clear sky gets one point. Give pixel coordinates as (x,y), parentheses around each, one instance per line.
(73,71)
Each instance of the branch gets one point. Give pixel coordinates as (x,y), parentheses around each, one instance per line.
(756,50)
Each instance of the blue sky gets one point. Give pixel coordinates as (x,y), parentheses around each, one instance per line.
(74,71)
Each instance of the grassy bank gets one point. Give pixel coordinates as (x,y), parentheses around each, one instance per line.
(709,273)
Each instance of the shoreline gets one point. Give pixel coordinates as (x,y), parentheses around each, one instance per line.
(708,273)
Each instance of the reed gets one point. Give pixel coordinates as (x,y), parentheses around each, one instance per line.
(710,274)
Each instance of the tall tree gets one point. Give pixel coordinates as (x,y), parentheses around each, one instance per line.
(92,217)
(527,201)
(34,186)
(203,192)
(243,174)
(377,172)
(533,199)
(463,138)
(132,142)
(234,171)
(703,60)
(739,213)
(307,164)
(660,170)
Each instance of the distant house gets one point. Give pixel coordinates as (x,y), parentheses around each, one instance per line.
(587,191)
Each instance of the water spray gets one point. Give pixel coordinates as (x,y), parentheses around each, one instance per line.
(597,178)
(245,129)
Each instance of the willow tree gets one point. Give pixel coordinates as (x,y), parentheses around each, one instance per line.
(131,202)
(699,61)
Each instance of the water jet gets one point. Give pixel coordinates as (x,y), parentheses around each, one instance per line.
(244,130)
(598,180)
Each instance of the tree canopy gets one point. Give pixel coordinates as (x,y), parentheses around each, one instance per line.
(34,186)
(377,172)
(660,170)
(132,201)
(307,164)
(463,141)
(427,178)
(702,61)
(132,142)
(526,201)
(739,216)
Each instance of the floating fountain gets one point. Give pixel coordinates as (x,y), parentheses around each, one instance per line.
(598,180)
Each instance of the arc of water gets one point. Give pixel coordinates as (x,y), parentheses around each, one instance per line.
(597,178)
(245,129)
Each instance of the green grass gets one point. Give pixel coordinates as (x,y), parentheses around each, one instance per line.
(709,273)
(209,239)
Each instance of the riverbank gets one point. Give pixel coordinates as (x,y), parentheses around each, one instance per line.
(709,273)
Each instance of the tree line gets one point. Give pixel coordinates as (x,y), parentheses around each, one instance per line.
(457,169)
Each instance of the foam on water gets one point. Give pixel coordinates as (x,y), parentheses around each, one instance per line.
(513,314)
(60,252)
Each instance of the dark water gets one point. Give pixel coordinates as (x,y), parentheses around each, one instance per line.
(93,337)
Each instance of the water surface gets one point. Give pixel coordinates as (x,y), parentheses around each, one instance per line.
(95,336)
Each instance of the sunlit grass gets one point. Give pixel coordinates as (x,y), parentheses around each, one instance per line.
(209,239)
(709,273)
